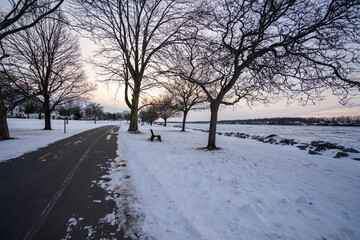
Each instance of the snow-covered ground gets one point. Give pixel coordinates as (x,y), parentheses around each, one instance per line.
(246,190)
(28,134)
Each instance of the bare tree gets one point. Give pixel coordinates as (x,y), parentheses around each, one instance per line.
(187,96)
(248,51)
(131,33)
(74,106)
(94,111)
(165,107)
(149,114)
(12,94)
(47,60)
(28,13)
(32,106)
(126,115)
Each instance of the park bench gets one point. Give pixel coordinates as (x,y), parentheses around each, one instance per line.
(153,135)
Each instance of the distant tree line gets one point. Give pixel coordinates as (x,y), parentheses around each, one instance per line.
(93,111)
(78,111)
(322,121)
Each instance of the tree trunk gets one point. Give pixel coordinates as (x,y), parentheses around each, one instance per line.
(4,129)
(184,121)
(133,127)
(165,120)
(214,107)
(47,112)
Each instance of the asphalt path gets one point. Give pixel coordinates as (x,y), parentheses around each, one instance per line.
(52,193)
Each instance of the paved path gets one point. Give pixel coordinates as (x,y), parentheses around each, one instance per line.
(52,193)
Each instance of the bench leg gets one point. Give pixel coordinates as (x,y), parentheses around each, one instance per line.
(160,138)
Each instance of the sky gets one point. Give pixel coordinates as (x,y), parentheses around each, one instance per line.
(329,107)
(112,102)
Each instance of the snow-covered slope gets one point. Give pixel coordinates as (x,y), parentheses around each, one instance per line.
(246,190)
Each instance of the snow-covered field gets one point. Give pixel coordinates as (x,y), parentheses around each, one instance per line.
(28,134)
(246,190)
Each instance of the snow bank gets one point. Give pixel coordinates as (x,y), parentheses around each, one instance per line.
(29,135)
(246,190)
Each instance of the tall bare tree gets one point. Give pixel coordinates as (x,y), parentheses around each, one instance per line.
(250,51)
(20,16)
(47,59)
(131,32)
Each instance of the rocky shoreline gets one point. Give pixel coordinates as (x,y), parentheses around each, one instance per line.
(314,148)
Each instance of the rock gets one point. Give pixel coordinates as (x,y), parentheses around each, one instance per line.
(271,136)
(318,143)
(271,141)
(288,141)
(242,135)
(314,152)
(320,148)
(340,148)
(357,159)
(341,154)
(350,150)
(331,145)
(302,147)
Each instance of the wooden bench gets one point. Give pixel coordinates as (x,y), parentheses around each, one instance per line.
(153,135)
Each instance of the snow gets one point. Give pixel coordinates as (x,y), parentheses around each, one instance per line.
(109,218)
(246,190)
(28,134)
(90,231)
(72,222)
